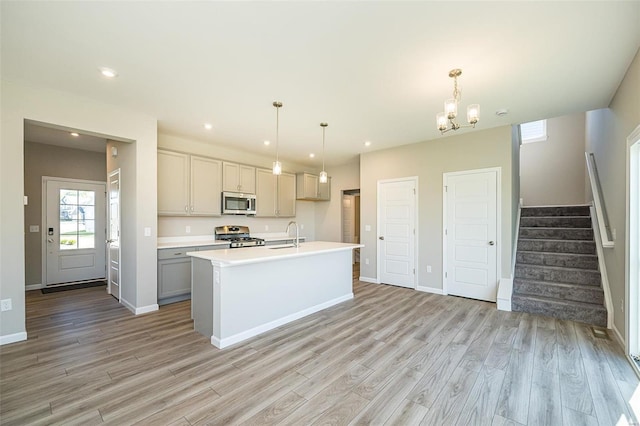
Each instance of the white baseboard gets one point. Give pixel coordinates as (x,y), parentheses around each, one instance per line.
(430,290)
(30,287)
(228,341)
(141,310)
(619,338)
(505,289)
(146,309)
(369,280)
(12,338)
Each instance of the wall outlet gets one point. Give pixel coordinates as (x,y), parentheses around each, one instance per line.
(429,268)
(187,229)
(5,305)
(366,261)
(367,228)
(34,228)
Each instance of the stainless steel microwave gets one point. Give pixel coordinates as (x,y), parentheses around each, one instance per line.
(238,203)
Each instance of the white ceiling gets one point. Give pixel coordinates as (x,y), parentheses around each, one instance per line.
(42,133)
(375,71)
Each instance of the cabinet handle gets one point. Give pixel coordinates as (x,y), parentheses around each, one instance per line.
(177,254)
(186,209)
(191,209)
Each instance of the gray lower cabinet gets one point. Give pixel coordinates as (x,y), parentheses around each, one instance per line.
(174,273)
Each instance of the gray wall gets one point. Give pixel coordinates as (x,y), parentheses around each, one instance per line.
(606,135)
(552,172)
(429,160)
(49,160)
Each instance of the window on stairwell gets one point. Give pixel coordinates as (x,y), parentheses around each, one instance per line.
(534,131)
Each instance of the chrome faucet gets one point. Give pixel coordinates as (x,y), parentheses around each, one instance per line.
(296,242)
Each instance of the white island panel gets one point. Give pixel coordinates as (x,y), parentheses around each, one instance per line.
(241,293)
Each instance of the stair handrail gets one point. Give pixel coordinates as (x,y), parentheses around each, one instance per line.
(598,201)
(602,266)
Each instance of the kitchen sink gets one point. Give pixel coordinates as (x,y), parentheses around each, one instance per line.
(278,247)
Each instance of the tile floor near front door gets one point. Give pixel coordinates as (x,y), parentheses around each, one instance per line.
(390,356)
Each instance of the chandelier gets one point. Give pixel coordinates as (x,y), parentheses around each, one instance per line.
(451,109)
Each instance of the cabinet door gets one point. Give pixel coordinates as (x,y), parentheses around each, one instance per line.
(206,186)
(230,177)
(310,186)
(265,193)
(324,190)
(173,183)
(174,277)
(247,178)
(286,195)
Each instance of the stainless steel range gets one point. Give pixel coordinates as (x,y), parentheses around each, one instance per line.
(238,236)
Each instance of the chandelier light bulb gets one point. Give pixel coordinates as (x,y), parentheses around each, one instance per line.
(323,177)
(473,113)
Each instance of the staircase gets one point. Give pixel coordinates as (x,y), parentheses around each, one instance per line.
(557,267)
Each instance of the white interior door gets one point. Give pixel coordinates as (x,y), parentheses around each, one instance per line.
(75,231)
(113,243)
(396,232)
(471,234)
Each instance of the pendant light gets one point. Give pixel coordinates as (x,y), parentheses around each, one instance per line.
(323,174)
(277,166)
(446,120)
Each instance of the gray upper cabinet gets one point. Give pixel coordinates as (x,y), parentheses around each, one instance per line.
(238,178)
(310,188)
(188,185)
(275,195)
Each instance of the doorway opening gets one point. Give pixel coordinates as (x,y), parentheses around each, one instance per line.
(351,225)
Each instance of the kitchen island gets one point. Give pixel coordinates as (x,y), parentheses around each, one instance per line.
(240,293)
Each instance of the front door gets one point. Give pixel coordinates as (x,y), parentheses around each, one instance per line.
(75,231)
(396,232)
(471,238)
(113,243)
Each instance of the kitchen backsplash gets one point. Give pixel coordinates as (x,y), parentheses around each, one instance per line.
(193,226)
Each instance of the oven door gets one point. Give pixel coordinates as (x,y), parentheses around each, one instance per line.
(238,203)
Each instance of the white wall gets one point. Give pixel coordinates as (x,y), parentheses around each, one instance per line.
(429,160)
(606,135)
(20,102)
(552,172)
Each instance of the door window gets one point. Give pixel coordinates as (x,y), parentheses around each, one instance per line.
(77,219)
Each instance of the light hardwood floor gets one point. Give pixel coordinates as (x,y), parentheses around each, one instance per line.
(390,356)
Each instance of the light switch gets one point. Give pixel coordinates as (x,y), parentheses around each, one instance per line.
(34,228)
(367,227)
(147,231)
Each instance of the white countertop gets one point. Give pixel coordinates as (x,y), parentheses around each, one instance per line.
(243,256)
(209,240)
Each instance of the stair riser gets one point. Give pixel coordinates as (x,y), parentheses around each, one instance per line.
(555,211)
(557,233)
(555,259)
(578,247)
(586,294)
(555,222)
(538,273)
(561,310)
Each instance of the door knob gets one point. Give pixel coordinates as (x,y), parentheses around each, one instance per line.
(491,243)
(381,238)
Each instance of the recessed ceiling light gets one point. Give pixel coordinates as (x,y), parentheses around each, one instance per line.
(108,72)
(267,143)
(74,134)
(312,155)
(367,143)
(208,126)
